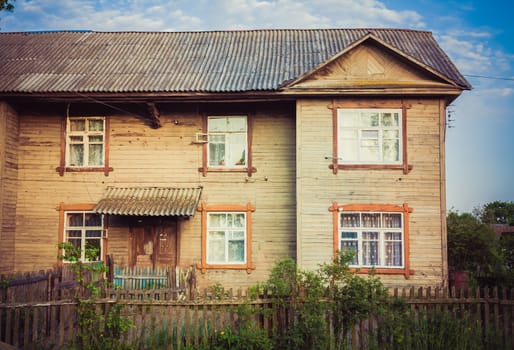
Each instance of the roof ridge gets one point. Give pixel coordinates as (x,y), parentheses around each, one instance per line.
(368,29)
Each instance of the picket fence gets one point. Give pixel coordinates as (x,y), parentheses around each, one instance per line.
(186,320)
(60,283)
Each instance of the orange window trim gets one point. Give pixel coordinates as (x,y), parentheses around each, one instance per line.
(335,166)
(248,208)
(250,169)
(62,168)
(75,207)
(335,208)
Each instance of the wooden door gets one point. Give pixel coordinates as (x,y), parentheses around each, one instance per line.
(166,245)
(154,244)
(142,246)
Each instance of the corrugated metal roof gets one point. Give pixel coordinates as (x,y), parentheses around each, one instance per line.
(149,201)
(174,62)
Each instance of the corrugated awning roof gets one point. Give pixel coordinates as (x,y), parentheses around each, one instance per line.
(149,201)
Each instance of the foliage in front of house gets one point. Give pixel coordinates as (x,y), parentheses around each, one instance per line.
(98,326)
(330,308)
(324,306)
(474,248)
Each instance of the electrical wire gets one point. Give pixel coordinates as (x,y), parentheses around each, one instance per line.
(488,77)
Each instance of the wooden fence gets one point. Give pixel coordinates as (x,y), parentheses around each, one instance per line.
(165,316)
(60,282)
(44,285)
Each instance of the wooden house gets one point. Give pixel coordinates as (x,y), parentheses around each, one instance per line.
(227,150)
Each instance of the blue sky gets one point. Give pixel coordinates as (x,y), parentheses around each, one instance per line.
(477,35)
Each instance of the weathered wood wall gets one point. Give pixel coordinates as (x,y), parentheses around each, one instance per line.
(422,188)
(8,184)
(142,156)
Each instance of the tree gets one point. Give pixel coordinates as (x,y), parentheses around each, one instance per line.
(471,243)
(7,5)
(497,212)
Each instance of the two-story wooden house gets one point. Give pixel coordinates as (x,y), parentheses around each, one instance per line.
(227,150)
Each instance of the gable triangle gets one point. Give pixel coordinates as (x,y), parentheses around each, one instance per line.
(371,64)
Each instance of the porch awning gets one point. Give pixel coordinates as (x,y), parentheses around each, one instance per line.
(149,201)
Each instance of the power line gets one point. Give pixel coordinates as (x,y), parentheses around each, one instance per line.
(488,77)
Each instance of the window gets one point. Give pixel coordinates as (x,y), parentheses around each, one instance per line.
(84,230)
(84,145)
(226,237)
(375,238)
(227,144)
(85,142)
(370,136)
(377,234)
(227,141)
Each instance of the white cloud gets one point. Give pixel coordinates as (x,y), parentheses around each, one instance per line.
(506,92)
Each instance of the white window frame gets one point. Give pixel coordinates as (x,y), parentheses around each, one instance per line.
(360,229)
(83,236)
(227,239)
(241,157)
(85,141)
(361,130)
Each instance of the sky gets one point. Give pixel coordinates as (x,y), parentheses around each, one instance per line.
(477,35)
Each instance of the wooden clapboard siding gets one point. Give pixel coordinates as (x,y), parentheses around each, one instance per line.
(270,190)
(142,156)
(318,187)
(119,241)
(368,65)
(8,184)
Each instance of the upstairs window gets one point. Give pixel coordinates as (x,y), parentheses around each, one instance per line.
(85,142)
(228,146)
(84,145)
(370,136)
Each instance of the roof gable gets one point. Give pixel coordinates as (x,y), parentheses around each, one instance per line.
(370,62)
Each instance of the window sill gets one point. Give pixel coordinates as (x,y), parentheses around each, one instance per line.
(204,267)
(62,170)
(384,271)
(249,171)
(405,167)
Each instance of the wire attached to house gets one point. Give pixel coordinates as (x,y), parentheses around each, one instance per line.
(488,77)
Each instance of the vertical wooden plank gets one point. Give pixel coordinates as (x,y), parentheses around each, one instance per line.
(187,324)
(354,337)
(511,305)
(196,326)
(2,312)
(496,314)
(61,321)
(26,326)
(486,310)
(362,333)
(206,325)
(506,337)
(168,322)
(35,327)
(179,327)
(16,328)
(478,308)
(8,325)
